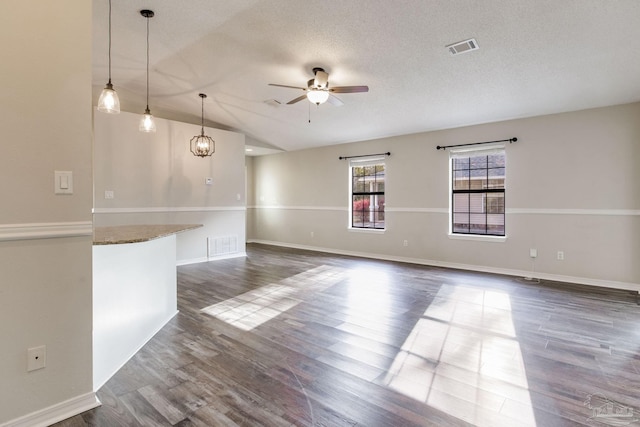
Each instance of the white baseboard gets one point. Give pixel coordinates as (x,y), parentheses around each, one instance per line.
(213,258)
(191,261)
(509,272)
(58,412)
(228,256)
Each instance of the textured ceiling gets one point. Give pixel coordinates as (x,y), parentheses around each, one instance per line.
(536,57)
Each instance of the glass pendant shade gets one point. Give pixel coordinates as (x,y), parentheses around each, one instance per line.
(108,101)
(317,96)
(147,124)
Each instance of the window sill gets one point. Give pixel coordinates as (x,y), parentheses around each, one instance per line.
(478,238)
(367,230)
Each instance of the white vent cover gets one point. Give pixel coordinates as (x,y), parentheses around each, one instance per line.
(222,245)
(463,47)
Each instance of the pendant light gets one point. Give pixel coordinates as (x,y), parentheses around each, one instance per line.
(202,145)
(108,101)
(147,124)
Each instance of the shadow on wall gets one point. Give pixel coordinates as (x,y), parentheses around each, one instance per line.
(178,187)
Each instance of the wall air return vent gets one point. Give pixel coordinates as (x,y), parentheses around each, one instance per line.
(222,245)
(463,47)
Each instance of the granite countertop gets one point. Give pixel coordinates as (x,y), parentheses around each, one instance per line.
(121,234)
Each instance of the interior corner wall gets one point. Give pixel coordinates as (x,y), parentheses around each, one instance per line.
(572,185)
(45,239)
(250,183)
(155,179)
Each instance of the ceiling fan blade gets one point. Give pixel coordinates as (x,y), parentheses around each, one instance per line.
(349,89)
(298,99)
(334,100)
(291,87)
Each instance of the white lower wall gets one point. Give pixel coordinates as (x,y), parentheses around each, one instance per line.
(134,296)
(602,268)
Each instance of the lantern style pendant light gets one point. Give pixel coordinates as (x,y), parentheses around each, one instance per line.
(147,124)
(202,145)
(108,101)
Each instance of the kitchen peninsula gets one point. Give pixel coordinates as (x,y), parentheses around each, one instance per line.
(134,290)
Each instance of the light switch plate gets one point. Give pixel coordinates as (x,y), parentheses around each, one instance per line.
(63,182)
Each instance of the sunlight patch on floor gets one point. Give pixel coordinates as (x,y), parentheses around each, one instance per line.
(463,358)
(368,302)
(257,306)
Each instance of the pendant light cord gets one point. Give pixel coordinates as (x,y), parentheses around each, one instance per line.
(147,63)
(202,122)
(109,41)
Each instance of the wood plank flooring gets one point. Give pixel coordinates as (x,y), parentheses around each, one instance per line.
(296,338)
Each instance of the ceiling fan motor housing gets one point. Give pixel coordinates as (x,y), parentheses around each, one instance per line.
(321,80)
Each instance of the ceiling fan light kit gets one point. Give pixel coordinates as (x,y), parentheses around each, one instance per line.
(317,96)
(318,90)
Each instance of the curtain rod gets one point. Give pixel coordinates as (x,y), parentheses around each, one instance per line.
(444,147)
(364,155)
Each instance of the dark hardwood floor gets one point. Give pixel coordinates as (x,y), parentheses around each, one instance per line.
(295,338)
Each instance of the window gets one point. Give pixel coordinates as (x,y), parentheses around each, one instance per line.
(477,192)
(367,193)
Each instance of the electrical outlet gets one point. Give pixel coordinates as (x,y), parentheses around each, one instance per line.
(560,256)
(405,243)
(208,181)
(36,358)
(108,194)
(312,234)
(533,253)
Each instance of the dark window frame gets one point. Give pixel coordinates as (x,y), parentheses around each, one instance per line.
(472,228)
(378,222)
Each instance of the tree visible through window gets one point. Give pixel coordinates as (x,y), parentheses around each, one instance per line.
(478,193)
(367,196)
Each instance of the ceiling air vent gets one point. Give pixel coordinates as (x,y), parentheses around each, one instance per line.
(463,47)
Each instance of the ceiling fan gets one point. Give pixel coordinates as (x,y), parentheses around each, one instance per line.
(319,92)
